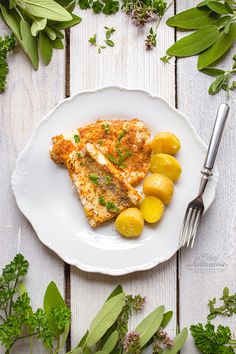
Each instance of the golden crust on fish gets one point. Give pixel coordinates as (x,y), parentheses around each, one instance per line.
(103,190)
(124,142)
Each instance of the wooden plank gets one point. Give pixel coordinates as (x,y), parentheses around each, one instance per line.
(29,95)
(206,269)
(130,65)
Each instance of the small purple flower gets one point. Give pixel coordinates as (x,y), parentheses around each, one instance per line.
(132,343)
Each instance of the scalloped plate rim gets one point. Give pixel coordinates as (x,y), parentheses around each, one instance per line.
(26,213)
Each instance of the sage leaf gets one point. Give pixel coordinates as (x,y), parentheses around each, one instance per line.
(223,21)
(69,6)
(52,299)
(48,9)
(59,33)
(218,7)
(118,290)
(194,43)
(68,24)
(87,350)
(58,44)
(105,318)
(179,341)
(111,342)
(166,319)
(213,71)
(45,47)
(203,3)
(51,33)
(83,340)
(38,25)
(64,336)
(216,85)
(12,20)
(191,19)
(101,352)
(149,325)
(219,48)
(29,43)
(76,351)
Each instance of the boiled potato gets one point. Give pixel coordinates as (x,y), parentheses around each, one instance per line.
(130,222)
(166,165)
(166,143)
(159,186)
(152,209)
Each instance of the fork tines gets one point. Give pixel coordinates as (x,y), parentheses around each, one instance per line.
(191,222)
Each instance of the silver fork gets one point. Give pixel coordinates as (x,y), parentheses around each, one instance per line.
(195,208)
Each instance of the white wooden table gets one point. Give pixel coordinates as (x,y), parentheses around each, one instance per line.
(184,283)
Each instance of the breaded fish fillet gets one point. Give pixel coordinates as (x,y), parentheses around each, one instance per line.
(124,142)
(103,190)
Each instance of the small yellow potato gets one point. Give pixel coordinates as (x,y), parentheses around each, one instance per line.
(152,209)
(166,143)
(166,165)
(130,222)
(159,186)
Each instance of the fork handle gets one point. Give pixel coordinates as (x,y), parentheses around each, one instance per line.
(219,125)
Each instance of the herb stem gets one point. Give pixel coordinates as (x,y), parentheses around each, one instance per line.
(14,286)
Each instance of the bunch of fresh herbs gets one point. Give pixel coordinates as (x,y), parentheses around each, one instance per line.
(38,25)
(107,333)
(220,340)
(214,25)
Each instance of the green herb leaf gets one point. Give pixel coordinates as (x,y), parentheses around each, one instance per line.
(212,71)
(12,20)
(195,43)
(48,9)
(97,6)
(93,40)
(216,85)
(58,44)
(45,47)
(111,342)
(118,290)
(29,43)
(38,25)
(218,49)
(105,318)
(53,299)
(68,24)
(51,33)
(179,342)
(166,319)
(69,6)
(191,19)
(150,325)
(109,43)
(218,7)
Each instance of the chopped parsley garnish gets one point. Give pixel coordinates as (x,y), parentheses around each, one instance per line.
(106,127)
(109,205)
(112,207)
(108,179)
(79,154)
(76,138)
(123,154)
(102,201)
(94,178)
(121,135)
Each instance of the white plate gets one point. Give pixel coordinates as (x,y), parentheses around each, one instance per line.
(44,192)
